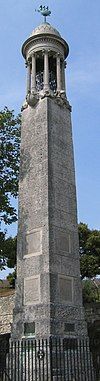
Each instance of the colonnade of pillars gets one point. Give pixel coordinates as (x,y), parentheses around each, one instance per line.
(31,73)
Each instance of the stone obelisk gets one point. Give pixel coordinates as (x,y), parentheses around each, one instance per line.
(48,290)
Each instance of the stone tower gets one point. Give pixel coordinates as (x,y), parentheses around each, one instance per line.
(48,290)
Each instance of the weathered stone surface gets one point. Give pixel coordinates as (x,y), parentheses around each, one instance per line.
(47,237)
(66,289)
(31,290)
(6,313)
(92,316)
(33,242)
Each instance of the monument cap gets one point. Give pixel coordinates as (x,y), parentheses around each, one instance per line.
(45,28)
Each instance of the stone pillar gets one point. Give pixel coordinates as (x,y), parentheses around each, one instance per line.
(33,73)
(63,76)
(58,74)
(46,71)
(28,77)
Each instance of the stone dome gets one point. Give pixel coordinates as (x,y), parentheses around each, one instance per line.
(38,39)
(45,28)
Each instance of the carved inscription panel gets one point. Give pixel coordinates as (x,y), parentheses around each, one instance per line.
(33,242)
(64,242)
(31,290)
(66,289)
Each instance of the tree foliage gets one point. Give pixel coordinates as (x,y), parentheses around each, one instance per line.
(89,244)
(89,266)
(11,278)
(9,163)
(8,251)
(91,293)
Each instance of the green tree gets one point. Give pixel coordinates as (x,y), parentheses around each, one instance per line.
(2,258)
(90,292)
(11,278)
(84,233)
(89,266)
(10,128)
(93,243)
(9,163)
(8,250)
(89,246)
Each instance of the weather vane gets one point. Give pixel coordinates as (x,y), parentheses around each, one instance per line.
(44,11)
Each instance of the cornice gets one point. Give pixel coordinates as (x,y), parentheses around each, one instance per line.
(33,40)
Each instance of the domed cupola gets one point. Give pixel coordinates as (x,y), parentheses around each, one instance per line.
(45,52)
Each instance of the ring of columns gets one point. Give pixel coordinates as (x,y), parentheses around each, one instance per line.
(49,77)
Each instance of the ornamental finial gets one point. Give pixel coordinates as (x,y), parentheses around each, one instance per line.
(44,11)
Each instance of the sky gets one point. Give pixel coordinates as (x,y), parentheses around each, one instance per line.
(78,22)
